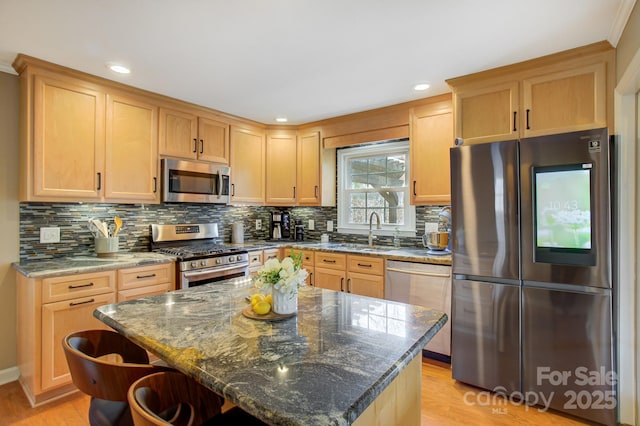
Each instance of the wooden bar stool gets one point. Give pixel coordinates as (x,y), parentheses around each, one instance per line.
(104,364)
(172,398)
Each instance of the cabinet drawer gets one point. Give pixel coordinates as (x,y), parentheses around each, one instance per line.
(144,276)
(134,293)
(83,285)
(255,258)
(366,265)
(331,260)
(308,257)
(271,254)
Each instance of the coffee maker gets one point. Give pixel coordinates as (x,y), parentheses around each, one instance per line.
(280,225)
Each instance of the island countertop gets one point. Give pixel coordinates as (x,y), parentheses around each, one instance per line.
(324,366)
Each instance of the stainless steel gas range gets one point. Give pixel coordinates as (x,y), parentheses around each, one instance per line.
(202,258)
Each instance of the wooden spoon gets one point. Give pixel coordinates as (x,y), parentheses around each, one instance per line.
(118,223)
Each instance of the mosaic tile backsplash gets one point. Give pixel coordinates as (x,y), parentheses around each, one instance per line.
(75,238)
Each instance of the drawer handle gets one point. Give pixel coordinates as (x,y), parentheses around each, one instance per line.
(73,287)
(348,285)
(82,303)
(145,276)
(341,284)
(328,260)
(365,265)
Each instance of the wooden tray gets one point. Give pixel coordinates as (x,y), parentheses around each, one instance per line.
(271,316)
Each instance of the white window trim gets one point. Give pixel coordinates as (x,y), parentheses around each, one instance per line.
(406,230)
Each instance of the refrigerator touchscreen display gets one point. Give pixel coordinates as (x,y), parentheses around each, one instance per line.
(563,214)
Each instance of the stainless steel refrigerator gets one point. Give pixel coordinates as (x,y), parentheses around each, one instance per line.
(532,277)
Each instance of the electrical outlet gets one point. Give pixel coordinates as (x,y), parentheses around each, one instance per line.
(312,225)
(50,234)
(329,226)
(430,227)
(258,224)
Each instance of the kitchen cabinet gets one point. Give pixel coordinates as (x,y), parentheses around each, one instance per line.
(293,168)
(255,262)
(308,263)
(431,135)
(84,142)
(565,92)
(193,135)
(363,275)
(47,310)
(131,169)
(248,162)
(281,164)
(145,281)
(309,170)
(269,254)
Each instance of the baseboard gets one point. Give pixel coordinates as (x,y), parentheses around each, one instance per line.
(9,375)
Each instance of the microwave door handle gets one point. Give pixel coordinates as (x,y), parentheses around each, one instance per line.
(219,185)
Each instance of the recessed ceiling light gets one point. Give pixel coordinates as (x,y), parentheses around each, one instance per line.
(282,119)
(421,86)
(118,68)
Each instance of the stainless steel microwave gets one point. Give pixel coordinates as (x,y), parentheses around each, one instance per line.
(192,182)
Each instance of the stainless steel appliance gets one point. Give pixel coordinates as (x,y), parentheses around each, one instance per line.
(425,285)
(201,258)
(532,287)
(193,182)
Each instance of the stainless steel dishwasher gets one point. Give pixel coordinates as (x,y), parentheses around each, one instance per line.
(424,285)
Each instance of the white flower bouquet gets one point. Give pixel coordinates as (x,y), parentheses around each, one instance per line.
(283,276)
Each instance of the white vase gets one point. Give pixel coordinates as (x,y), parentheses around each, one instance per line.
(285,303)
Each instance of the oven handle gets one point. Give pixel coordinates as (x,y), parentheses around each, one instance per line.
(212,272)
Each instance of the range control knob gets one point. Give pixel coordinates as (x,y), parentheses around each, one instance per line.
(218,261)
(231,259)
(194,264)
(203,263)
(239,258)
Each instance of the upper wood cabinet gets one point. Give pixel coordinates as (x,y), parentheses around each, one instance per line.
(186,134)
(309,172)
(293,168)
(82,142)
(565,92)
(247,160)
(131,150)
(65,150)
(281,163)
(431,135)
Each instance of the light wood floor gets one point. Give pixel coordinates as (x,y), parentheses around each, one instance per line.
(443,404)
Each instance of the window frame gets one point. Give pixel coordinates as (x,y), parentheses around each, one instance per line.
(342,197)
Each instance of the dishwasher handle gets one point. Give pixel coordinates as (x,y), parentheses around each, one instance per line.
(426,274)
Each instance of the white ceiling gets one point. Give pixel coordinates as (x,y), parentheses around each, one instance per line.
(303,59)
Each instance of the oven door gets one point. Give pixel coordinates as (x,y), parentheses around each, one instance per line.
(211,275)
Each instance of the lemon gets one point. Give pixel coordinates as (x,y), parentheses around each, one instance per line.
(256,297)
(268,299)
(261,308)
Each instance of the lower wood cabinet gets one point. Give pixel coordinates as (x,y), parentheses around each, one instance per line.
(363,275)
(50,308)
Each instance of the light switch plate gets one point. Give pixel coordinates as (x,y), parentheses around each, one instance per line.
(312,225)
(258,224)
(49,234)
(430,227)
(329,226)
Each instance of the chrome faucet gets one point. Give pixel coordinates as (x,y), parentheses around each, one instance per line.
(371,223)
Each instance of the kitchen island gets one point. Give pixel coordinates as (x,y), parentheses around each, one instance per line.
(343,359)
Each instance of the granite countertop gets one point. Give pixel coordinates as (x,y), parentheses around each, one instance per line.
(322,367)
(83,264)
(408,254)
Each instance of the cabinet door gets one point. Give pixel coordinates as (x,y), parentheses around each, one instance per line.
(565,101)
(331,279)
(365,284)
(68,140)
(431,139)
(487,114)
(281,169)
(247,159)
(213,140)
(308,184)
(58,320)
(178,134)
(131,150)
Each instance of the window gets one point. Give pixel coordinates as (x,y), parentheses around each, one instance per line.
(375,179)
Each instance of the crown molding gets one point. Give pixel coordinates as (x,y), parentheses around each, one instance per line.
(620,21)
